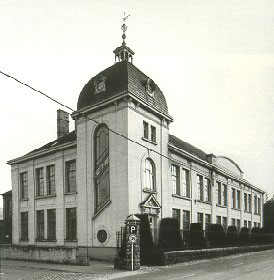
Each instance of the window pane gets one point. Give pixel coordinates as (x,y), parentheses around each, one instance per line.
(175,179)
(40,224)
(71,224)
(24,185)
(24,225)
(145,129)
(51,224)
(71,176)
(51,179)
(39,182)
(186,220)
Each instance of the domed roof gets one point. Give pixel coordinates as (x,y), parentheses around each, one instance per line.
(120,78)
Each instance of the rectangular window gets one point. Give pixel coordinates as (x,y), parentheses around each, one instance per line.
(186,220)
(185,183)
(233,222)
(207,190)
(233,198)
(50,179)
(225,223)
(259,206)
(259,225)
(249,225)
(200,219)
(238,224)
(207,221)
(39,182)
(200,194)
(245,223)
(175,178)
(176,214)
(249,203)
(51,215)
(153,133)
(238,199)
(219,193)
(40,224)
(71,176)
(255,205)
(24,185)
(71,224)
(145,124)
(24,226)
(245,201)
(218,220)
(224,195)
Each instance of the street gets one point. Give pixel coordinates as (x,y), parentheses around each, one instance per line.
(251,266)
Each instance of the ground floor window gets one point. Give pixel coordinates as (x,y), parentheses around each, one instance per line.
(207,221)
(51,215)
(40,224)
(176,215)
(186,220)
(71,224)
(24,226)
(200,219)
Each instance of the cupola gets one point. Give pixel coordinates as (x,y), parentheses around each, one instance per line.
(123,52)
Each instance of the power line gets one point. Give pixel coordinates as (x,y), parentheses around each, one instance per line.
(73,111)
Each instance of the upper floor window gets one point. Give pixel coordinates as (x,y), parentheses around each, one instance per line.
(50,179)
(101,160)
(145,124)
(70,169)
(200,194)
(238,199)
(259,206)
(39,182)
(175,178)
(150,178)
(249,203)
(153,133)
(185,183)
(224,195)
(207,190)
(233,198)
(245,201)
(24,185)
(219,193)
(255,205)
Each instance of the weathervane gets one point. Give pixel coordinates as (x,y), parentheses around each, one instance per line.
(124,28)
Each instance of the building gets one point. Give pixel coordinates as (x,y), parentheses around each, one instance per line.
(6,232)
(78,189)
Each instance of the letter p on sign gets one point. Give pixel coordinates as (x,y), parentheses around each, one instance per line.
(132,229)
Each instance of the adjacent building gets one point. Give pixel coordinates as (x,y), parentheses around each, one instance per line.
(78,189)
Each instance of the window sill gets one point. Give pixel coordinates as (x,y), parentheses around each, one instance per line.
(203,201)
(45,196)
(24,239)
(24,199)
(40,240)
(149,191)
(236,209)
(68,193)
(248,212)
(147,140)
(258,214)
(181,197)
(222,206)
(71,240)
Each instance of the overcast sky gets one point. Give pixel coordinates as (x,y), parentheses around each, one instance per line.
(214,61)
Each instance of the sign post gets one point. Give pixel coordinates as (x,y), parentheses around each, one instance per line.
(133,242)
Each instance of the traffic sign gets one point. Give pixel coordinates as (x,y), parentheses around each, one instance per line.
(132,238)
(133,229)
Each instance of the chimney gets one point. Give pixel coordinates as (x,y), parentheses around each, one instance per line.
(62,123)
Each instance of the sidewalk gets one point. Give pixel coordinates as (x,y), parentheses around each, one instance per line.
(96,269)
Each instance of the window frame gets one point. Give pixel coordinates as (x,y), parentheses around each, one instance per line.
(71,224)
(186,222)
(200,187)
(39,181)
(152,133)
(24,185)
(150,175)
(50,178)
(40,225)
(145,130)
(175,179)
(176,213)
(24,226)
(70,185)
(185,182)
(51,224)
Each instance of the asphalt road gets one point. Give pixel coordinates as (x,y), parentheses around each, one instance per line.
(251,266)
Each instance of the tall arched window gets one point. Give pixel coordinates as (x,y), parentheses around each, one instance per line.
(101,163)
(150,178)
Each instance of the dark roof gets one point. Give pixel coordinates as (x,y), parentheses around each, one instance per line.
(120,78)
(8,193)
(69,138)
(178,143)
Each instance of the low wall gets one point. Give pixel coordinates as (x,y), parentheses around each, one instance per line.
(67,255)
(189,255)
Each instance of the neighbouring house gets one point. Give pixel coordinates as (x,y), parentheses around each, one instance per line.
(77,190)
(6,230)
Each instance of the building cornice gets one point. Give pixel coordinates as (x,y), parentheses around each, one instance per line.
(42,153)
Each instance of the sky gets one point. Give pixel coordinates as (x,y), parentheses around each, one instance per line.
(213,60)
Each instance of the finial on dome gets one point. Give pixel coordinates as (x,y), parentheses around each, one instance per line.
(123,52)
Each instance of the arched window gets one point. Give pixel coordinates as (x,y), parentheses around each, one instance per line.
(101,163)
(150,178)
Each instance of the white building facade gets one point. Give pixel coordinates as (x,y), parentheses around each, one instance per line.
(121,160)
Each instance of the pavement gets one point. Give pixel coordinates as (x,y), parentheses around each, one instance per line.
(31,270)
